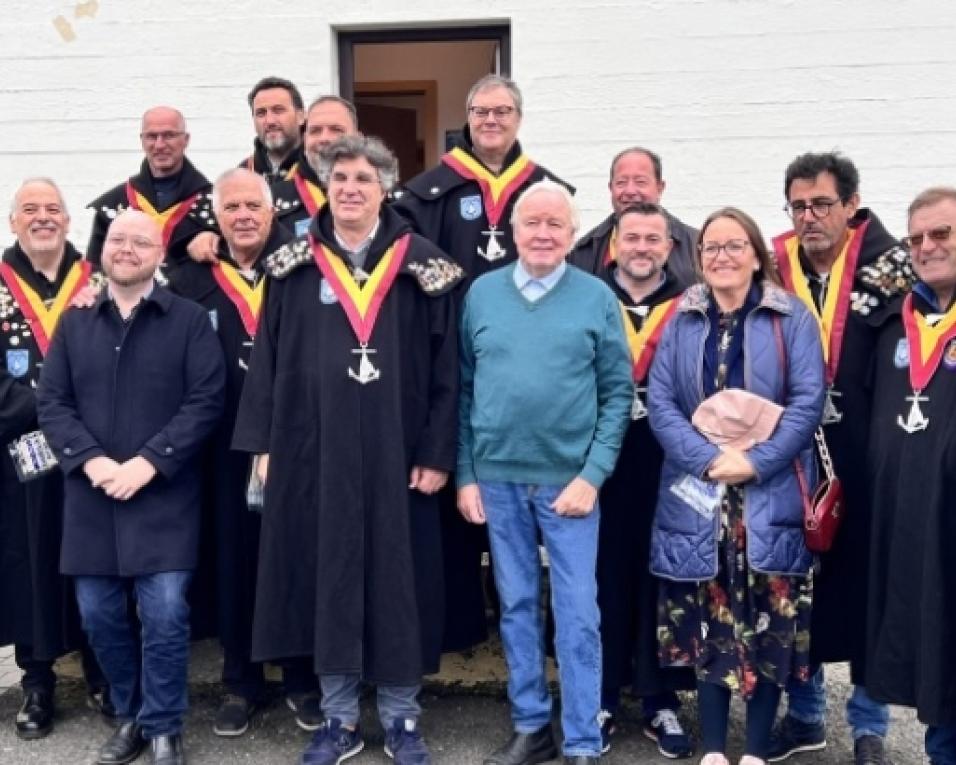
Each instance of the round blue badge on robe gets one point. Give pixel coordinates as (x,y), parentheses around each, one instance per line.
(327,294)
(18,361)
(470,207)
(949,357)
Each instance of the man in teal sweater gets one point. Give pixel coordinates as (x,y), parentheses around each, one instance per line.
(546,392)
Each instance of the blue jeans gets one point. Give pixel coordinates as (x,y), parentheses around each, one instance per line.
(147,673)
(516,512)
(941,744)
(340,699)
(807,702)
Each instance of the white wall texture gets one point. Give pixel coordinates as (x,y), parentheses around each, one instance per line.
(728,91)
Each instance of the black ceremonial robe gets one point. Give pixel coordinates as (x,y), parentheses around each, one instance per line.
(911,632)
(299,196)
(627,593)
(191,186)
(229,541)
(448,210)
(37,605)
(839,613)
(591,251)
(350,558)
(259,162)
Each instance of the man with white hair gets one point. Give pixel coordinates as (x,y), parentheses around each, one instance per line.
(546,392)
(168,188)
(39,275)
(231,290)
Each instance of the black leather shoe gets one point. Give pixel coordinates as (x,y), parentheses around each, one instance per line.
(123,746)
(35,718)
(526,749)
(581,759)
(167,750)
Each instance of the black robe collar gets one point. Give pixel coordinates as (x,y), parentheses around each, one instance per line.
(669,288)
(190,181)
(17,259)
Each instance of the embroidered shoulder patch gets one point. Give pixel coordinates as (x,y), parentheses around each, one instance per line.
(436,274)
(287,258)
(891,274)
(201,210)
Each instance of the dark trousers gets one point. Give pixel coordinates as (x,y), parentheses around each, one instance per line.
(714,707)
(38,675)
(246,678)
(941,744)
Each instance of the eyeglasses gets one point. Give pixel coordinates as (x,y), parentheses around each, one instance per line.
(939,234)
(166,135)
(819,207)
(482,112)
(733,247)
(136,243)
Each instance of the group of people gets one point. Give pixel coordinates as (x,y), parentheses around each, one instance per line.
(294,407)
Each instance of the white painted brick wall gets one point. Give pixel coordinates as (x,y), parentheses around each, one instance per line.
(728,91)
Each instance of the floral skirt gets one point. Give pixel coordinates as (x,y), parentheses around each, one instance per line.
(741,626)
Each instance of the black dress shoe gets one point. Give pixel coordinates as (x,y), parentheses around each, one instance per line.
(167,750)
(581,759)
(35,718)
(526,749)
(123,746)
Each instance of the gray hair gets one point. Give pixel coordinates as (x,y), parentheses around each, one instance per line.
(930,197)
(495,81)
(239,172)
(358,146)
(545,185)
(37,179)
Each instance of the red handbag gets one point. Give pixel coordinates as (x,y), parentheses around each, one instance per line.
(823,512)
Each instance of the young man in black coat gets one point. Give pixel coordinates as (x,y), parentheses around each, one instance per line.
(130,389)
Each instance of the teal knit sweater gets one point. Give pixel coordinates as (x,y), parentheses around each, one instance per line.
(545,386)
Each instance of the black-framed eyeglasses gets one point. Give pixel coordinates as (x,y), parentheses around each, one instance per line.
(482,112)
(938,234)
(820,207)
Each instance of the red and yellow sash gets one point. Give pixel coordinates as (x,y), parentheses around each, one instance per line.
(42,320)
(926,343)
(312,196)
(836,305)
(361,303)
(496,190)
(246,298)
(610,254)
(643,343)
(168,219)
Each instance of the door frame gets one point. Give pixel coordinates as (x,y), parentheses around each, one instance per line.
(348,39)
(425,88)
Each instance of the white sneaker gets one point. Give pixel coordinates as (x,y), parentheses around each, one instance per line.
(714,758)
(749,759)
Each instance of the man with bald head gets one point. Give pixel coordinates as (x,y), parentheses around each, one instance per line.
(39,274)
(168,188)
(545,394)
(129,390)
(636,177)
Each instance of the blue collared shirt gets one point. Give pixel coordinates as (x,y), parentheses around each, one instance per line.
(534,288)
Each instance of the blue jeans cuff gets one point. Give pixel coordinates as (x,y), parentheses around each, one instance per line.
(863,731)
(806,719)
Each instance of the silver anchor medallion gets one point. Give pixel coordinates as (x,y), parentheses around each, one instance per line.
(367,372)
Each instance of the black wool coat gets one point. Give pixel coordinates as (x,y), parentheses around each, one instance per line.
(151,388)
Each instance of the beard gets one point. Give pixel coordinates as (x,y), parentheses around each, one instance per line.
(129,279)
(278,142)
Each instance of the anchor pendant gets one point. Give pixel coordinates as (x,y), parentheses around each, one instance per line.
(915,421)
(831,415)
(493,251)
(367,372)
(638,408)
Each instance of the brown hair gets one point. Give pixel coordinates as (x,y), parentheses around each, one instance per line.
(767,269)
(930,197)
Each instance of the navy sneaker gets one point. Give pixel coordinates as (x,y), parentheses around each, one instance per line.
(666,730)
(791,735)
(332,744)
(405,745)
(608,729)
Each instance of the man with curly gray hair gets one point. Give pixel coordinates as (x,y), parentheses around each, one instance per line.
(350,403)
